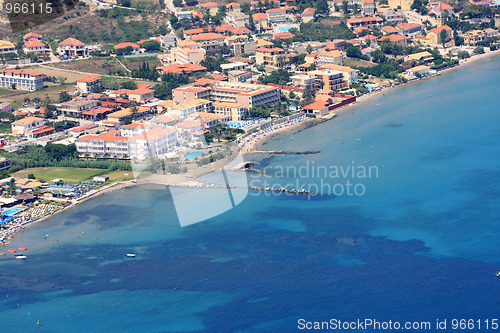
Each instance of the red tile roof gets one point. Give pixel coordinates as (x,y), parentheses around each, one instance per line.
(203,82)
(443,27)
(43,129)
(364,19)
(72,42)
(406,26)
(35,44)
(218,77)
(82,128)
(195,31)
(96,111)
(210,4)
(126,44)
(393,38)
(20,72)
(260,16)
(309,11)
(272,49)
(389,29)
(240,31)
(277,10)
(178,69)
(283,35)
(32,34)
(232,4)
(89,78)
(207,36)
(316,105)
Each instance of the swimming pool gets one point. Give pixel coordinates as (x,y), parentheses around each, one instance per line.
(284,29)
(193,155)
(12,211)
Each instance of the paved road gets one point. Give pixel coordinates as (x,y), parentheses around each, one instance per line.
(414,17)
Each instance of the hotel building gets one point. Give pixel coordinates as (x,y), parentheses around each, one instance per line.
(149,141)
(21,79)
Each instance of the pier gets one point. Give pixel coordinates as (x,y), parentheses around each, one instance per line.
(196,184)
(284,152)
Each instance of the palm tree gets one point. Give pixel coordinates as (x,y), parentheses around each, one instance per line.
(12,186)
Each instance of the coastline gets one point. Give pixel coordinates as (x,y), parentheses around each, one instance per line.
(365,98)
(192,181)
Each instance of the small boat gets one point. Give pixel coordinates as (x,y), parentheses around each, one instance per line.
(11,250)
(498,274)
(23,248)
(131,255)
(20,256)
(2,253)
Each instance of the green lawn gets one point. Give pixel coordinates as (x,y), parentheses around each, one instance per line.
(350,62)
(73,175)
(118,176)
(5,91)
(66,174)
(5,128)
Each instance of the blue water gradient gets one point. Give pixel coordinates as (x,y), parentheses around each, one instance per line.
(421,244)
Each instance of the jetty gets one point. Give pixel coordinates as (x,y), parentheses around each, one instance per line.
(284,152)
(197,184)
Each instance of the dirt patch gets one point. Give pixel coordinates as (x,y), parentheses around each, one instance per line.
(136,63)
(98,66)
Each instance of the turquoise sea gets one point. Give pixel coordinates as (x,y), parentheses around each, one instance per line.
(421,243)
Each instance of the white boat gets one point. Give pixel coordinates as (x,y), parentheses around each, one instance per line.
(498,274)
(20,256)
(132,255)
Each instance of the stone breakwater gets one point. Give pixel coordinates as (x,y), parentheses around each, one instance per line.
(283,152)
(195,184)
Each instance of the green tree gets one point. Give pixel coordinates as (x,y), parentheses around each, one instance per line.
(353,52)
(309,93)
(12,186)
(479,50)
(151,46)
(443,34)
(280,76)
(128,85)
(458,40)
(321,6)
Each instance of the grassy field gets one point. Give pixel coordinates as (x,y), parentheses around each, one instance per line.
(5,128)
(67,174)
(349,62)
(97,66)
(51,91)
(117,176)
(135,63)
(72,175)
(5,91)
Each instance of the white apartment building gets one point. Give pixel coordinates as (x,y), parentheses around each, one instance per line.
(21,79)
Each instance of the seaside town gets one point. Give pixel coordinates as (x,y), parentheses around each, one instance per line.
(183,84)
